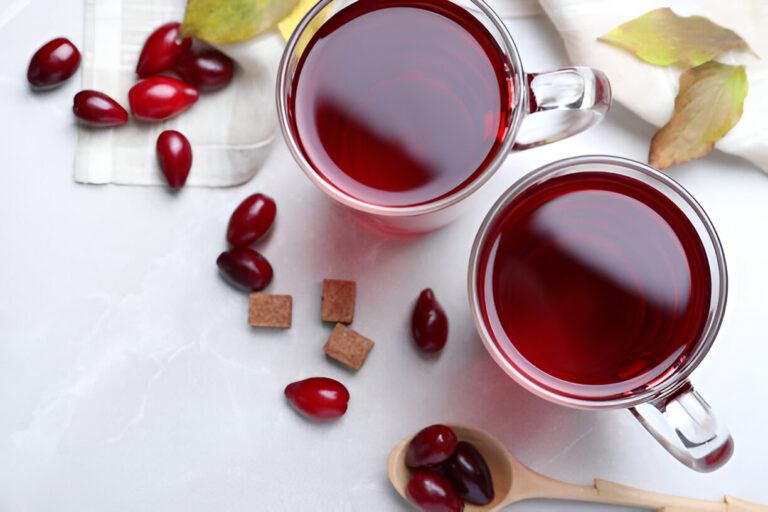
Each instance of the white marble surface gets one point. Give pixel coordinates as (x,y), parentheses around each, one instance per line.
(130,380)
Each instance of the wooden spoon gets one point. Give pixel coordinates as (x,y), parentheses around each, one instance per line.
(513,482)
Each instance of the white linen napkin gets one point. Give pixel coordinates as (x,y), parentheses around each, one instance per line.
(648,90)
(230,130)
(516,8)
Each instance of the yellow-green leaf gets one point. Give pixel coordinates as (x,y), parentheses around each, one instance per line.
(231,21)
(708,105)
(663,38)
(287,25)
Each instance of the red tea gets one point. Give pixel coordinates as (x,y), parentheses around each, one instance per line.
(594,284)
(400,102)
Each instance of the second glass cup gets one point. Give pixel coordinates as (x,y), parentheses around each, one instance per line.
(598,282)
(401,109)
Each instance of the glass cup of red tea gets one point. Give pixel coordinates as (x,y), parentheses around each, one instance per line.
(598,282)
(401,109)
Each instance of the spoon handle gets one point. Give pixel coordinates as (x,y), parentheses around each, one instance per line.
(533,485)
(610,492)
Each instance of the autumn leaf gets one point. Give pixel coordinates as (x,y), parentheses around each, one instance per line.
(708,105)
(663,38)
(231,21)
(287,25)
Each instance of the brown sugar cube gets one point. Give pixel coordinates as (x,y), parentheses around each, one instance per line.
(348,347)
(269,310)
(338,303)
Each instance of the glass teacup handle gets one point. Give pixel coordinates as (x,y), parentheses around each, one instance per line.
(685,425)
(562,103)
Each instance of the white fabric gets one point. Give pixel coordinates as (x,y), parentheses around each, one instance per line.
(516,8)
(230,130)
(649,91)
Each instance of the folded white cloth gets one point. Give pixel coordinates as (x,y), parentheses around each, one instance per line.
(231,130)
(649,91)
(516,8)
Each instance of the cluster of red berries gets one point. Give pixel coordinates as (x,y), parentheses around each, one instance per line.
(155,97)
(446,472)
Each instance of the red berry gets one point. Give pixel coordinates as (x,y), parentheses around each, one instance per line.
(98,109)
(319,397)
(431,446)
(160,97)
(429,325)
(467,471)
(161,50)
(432,492)
(208,70)
(174,154)
(251,220)
(53,63)
(245,268)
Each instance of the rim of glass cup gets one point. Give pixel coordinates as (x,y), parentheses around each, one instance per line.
(670,383)
(520,107)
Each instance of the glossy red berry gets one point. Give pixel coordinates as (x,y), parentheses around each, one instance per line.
(208,70)
(53,63)
(160,97)
(97,109)
(429,325)
(467,471)
(431,446)
(161,50)
(319,397)
(251,220)
(174,154)
(432,492)
(245,268)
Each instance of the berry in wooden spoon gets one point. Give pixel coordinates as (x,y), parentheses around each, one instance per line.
(469,474)
(432,492)
(431,446)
